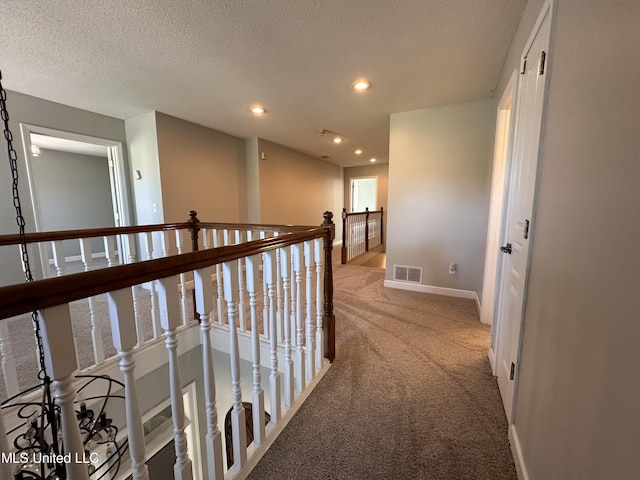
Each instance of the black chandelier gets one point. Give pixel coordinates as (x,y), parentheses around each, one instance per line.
(39,451)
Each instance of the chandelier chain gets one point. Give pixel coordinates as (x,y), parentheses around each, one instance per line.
(24,254)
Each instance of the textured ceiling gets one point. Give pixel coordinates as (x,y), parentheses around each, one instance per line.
(208,61)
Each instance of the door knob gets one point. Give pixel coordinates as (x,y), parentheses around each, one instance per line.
(506,249)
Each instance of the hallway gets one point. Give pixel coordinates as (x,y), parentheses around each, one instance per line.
(410,394)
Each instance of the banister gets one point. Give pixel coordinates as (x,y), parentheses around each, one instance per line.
(351,214)
(329,319)
(26,297)
(14,239)
(348,244)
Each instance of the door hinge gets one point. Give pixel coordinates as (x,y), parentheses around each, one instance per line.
(512,374)
(524,66)
(543,58)
(526,229)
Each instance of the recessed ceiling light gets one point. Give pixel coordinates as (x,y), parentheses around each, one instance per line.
(358,152)
(258,109)
(337,140)
(361,85)
(372,160)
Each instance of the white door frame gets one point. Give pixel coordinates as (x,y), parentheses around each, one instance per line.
(117,173)
(501,284)
(505,130)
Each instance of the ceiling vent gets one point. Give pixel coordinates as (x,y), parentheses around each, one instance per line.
(403,273)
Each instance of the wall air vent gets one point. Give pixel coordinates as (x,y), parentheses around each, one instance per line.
(403,273)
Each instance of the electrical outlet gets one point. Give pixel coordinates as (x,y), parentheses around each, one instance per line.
(452,268)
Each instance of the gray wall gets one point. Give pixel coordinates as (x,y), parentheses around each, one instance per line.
(577,414)
(200,169)
(439,192)
(252,159)
(296,188)
(142,143)
(35,111)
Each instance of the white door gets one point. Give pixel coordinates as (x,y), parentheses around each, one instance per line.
(519,220)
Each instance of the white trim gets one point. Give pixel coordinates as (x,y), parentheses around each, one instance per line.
(516,450)
(449,292)
(478,304)
(118,176)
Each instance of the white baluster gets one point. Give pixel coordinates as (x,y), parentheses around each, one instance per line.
(252,264)
(59,259)
(61,363)
(129,245)
(309,353)
(292,313)
(123,331)
(265,306)
(241,303)
(269,272)
(110,250)
(206,238)
(9,369)
(155,320)
(170,320)
(96,331)
(204,304)
(297,317)
(279,294)
(238,421)
(318,256)
(219,281)
(285,256)
(164,243)
(184,309)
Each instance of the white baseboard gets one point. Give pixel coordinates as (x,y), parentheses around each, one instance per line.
(478,306)
(449,292)
(516,451)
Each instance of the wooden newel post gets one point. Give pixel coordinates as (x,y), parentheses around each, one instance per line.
(194,229)
(328,318)
(366,230)
(343,256)
(381,225)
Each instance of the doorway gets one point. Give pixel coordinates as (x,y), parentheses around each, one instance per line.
(75,182)
(519,221)
(505,128)
(364,194)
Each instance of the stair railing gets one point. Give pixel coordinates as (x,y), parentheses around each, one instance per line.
(231,266)
(361,233)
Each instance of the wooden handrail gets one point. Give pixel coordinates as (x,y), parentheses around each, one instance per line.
(349,214)
(30,296)
(14,239)
(26,297)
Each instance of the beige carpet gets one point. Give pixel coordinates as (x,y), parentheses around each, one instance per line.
(409,396)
